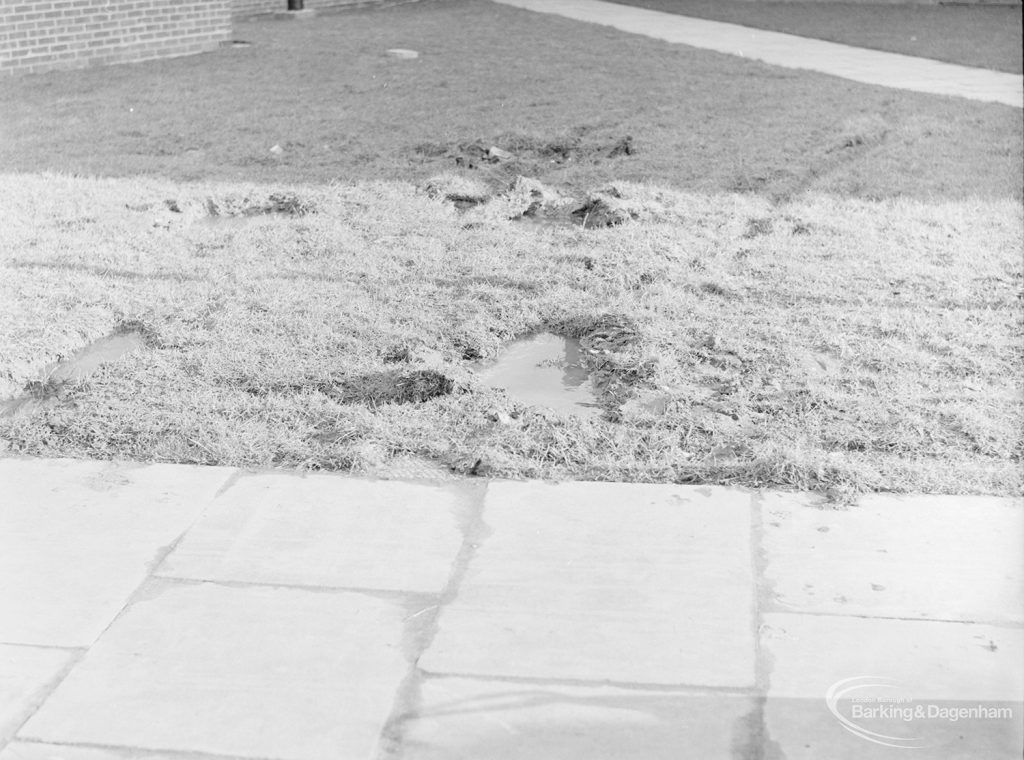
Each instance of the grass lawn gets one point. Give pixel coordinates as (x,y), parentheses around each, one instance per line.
(825,343)
(559,94)
(820,288)
(986,36)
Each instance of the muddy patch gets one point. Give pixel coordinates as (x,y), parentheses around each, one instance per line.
(534,203)
(392,387)
(233,209)
(57,378)
(544,370)
(610,207)
(226,210)
(575,146)
(506,155)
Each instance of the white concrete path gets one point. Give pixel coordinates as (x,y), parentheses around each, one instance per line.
(858,64)
(164,612)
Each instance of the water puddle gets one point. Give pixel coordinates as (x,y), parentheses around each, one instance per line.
(54,378)
(553,220)
(544,370)
(228,222)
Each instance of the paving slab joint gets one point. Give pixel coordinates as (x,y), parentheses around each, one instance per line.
(422,625)
(226,486)
(142,592)
(125,750)
(44,693)
(763,597)
(637,686)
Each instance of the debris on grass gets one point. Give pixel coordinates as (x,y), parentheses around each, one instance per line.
(497,154)
(462,191)
(531,198)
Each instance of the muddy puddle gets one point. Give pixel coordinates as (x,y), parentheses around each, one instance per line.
(544,370)
(48,388)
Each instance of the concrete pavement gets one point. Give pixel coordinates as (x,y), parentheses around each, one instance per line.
(166,611)
(791,51)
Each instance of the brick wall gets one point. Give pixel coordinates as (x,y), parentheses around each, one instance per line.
(38,35)
(251,7)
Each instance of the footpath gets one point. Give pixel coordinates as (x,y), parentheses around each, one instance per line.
(171,611)
(876,67)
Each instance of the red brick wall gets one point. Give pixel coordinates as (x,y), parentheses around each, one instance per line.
(38,35)
(251,7)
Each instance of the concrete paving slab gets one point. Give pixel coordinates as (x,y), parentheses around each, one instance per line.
(804,729)
(934,659)
(876,669)
(606,582)
(80,537)
(857,64)
(326,530)
(469,719)
(935,557)
(26,676)
(250,672)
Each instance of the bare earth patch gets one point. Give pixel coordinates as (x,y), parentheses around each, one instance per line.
(816,343)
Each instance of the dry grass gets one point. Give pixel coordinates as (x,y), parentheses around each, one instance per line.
(820,343)
(817,286)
